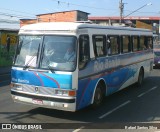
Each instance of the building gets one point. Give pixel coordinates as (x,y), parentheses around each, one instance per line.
(148,22)
(65,16)
(27,21)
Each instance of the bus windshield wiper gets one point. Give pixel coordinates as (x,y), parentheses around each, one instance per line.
(27,64)
(51,69)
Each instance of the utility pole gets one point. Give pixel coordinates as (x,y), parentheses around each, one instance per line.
(121,7)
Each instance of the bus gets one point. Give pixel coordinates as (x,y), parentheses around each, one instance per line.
(106,59)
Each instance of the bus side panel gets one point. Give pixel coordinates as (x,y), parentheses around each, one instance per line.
(114,80)
(118,73)
(85,92)
(117,78)
(114,77)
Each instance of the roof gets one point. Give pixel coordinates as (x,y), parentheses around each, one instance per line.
(26,19)
(52,26)
(129,18)
(65,26)
(8,29)
(62,12)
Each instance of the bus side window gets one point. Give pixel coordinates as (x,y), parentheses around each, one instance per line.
(114,45)
(146,42)
(99,43)
(84,52)
(135,43)
(142,44)
(126,44)
(108,46)
(150,42)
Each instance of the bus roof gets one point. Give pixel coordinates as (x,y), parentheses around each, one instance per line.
(70,26)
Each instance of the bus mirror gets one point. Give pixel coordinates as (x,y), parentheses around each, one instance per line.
(18,51)
(8,43)
(19,47)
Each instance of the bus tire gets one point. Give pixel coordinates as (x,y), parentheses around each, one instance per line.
(98,96)
(140,77)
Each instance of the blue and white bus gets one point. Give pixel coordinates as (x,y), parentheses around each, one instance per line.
(106,60)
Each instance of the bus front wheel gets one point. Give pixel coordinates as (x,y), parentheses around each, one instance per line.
(98,96)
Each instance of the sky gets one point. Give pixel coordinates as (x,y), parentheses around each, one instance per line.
(13,10)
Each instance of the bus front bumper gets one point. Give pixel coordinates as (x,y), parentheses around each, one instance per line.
(67,104)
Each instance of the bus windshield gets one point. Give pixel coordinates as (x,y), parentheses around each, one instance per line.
(27,50)
(53,52)
(59,53)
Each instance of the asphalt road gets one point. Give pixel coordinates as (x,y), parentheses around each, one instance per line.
(129,108)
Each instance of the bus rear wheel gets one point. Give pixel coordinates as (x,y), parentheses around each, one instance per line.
(98,96)
(140,77)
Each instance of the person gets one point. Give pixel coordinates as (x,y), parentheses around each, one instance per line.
(109,47)
(70,54)
(49,51)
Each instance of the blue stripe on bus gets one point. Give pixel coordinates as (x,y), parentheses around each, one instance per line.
(42,79)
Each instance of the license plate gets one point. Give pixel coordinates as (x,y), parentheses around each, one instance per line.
(37,101)
(56,104)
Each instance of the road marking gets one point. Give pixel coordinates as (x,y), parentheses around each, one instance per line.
(147,92)
(77,130)
(106,114)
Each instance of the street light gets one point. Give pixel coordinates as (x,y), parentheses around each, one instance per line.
(138,9)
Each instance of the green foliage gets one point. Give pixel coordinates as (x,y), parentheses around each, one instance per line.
(6,58)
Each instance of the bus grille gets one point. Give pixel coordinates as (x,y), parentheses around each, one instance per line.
(38,90)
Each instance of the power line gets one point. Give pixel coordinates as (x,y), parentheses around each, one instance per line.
(68,4)
(18,11)
(59,3)
(13,15)
(142,12)
(138,9)
(120,6)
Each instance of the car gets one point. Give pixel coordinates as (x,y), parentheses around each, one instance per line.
(156,50)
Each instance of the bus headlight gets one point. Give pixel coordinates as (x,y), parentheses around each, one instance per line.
(16,86)
(65,92)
